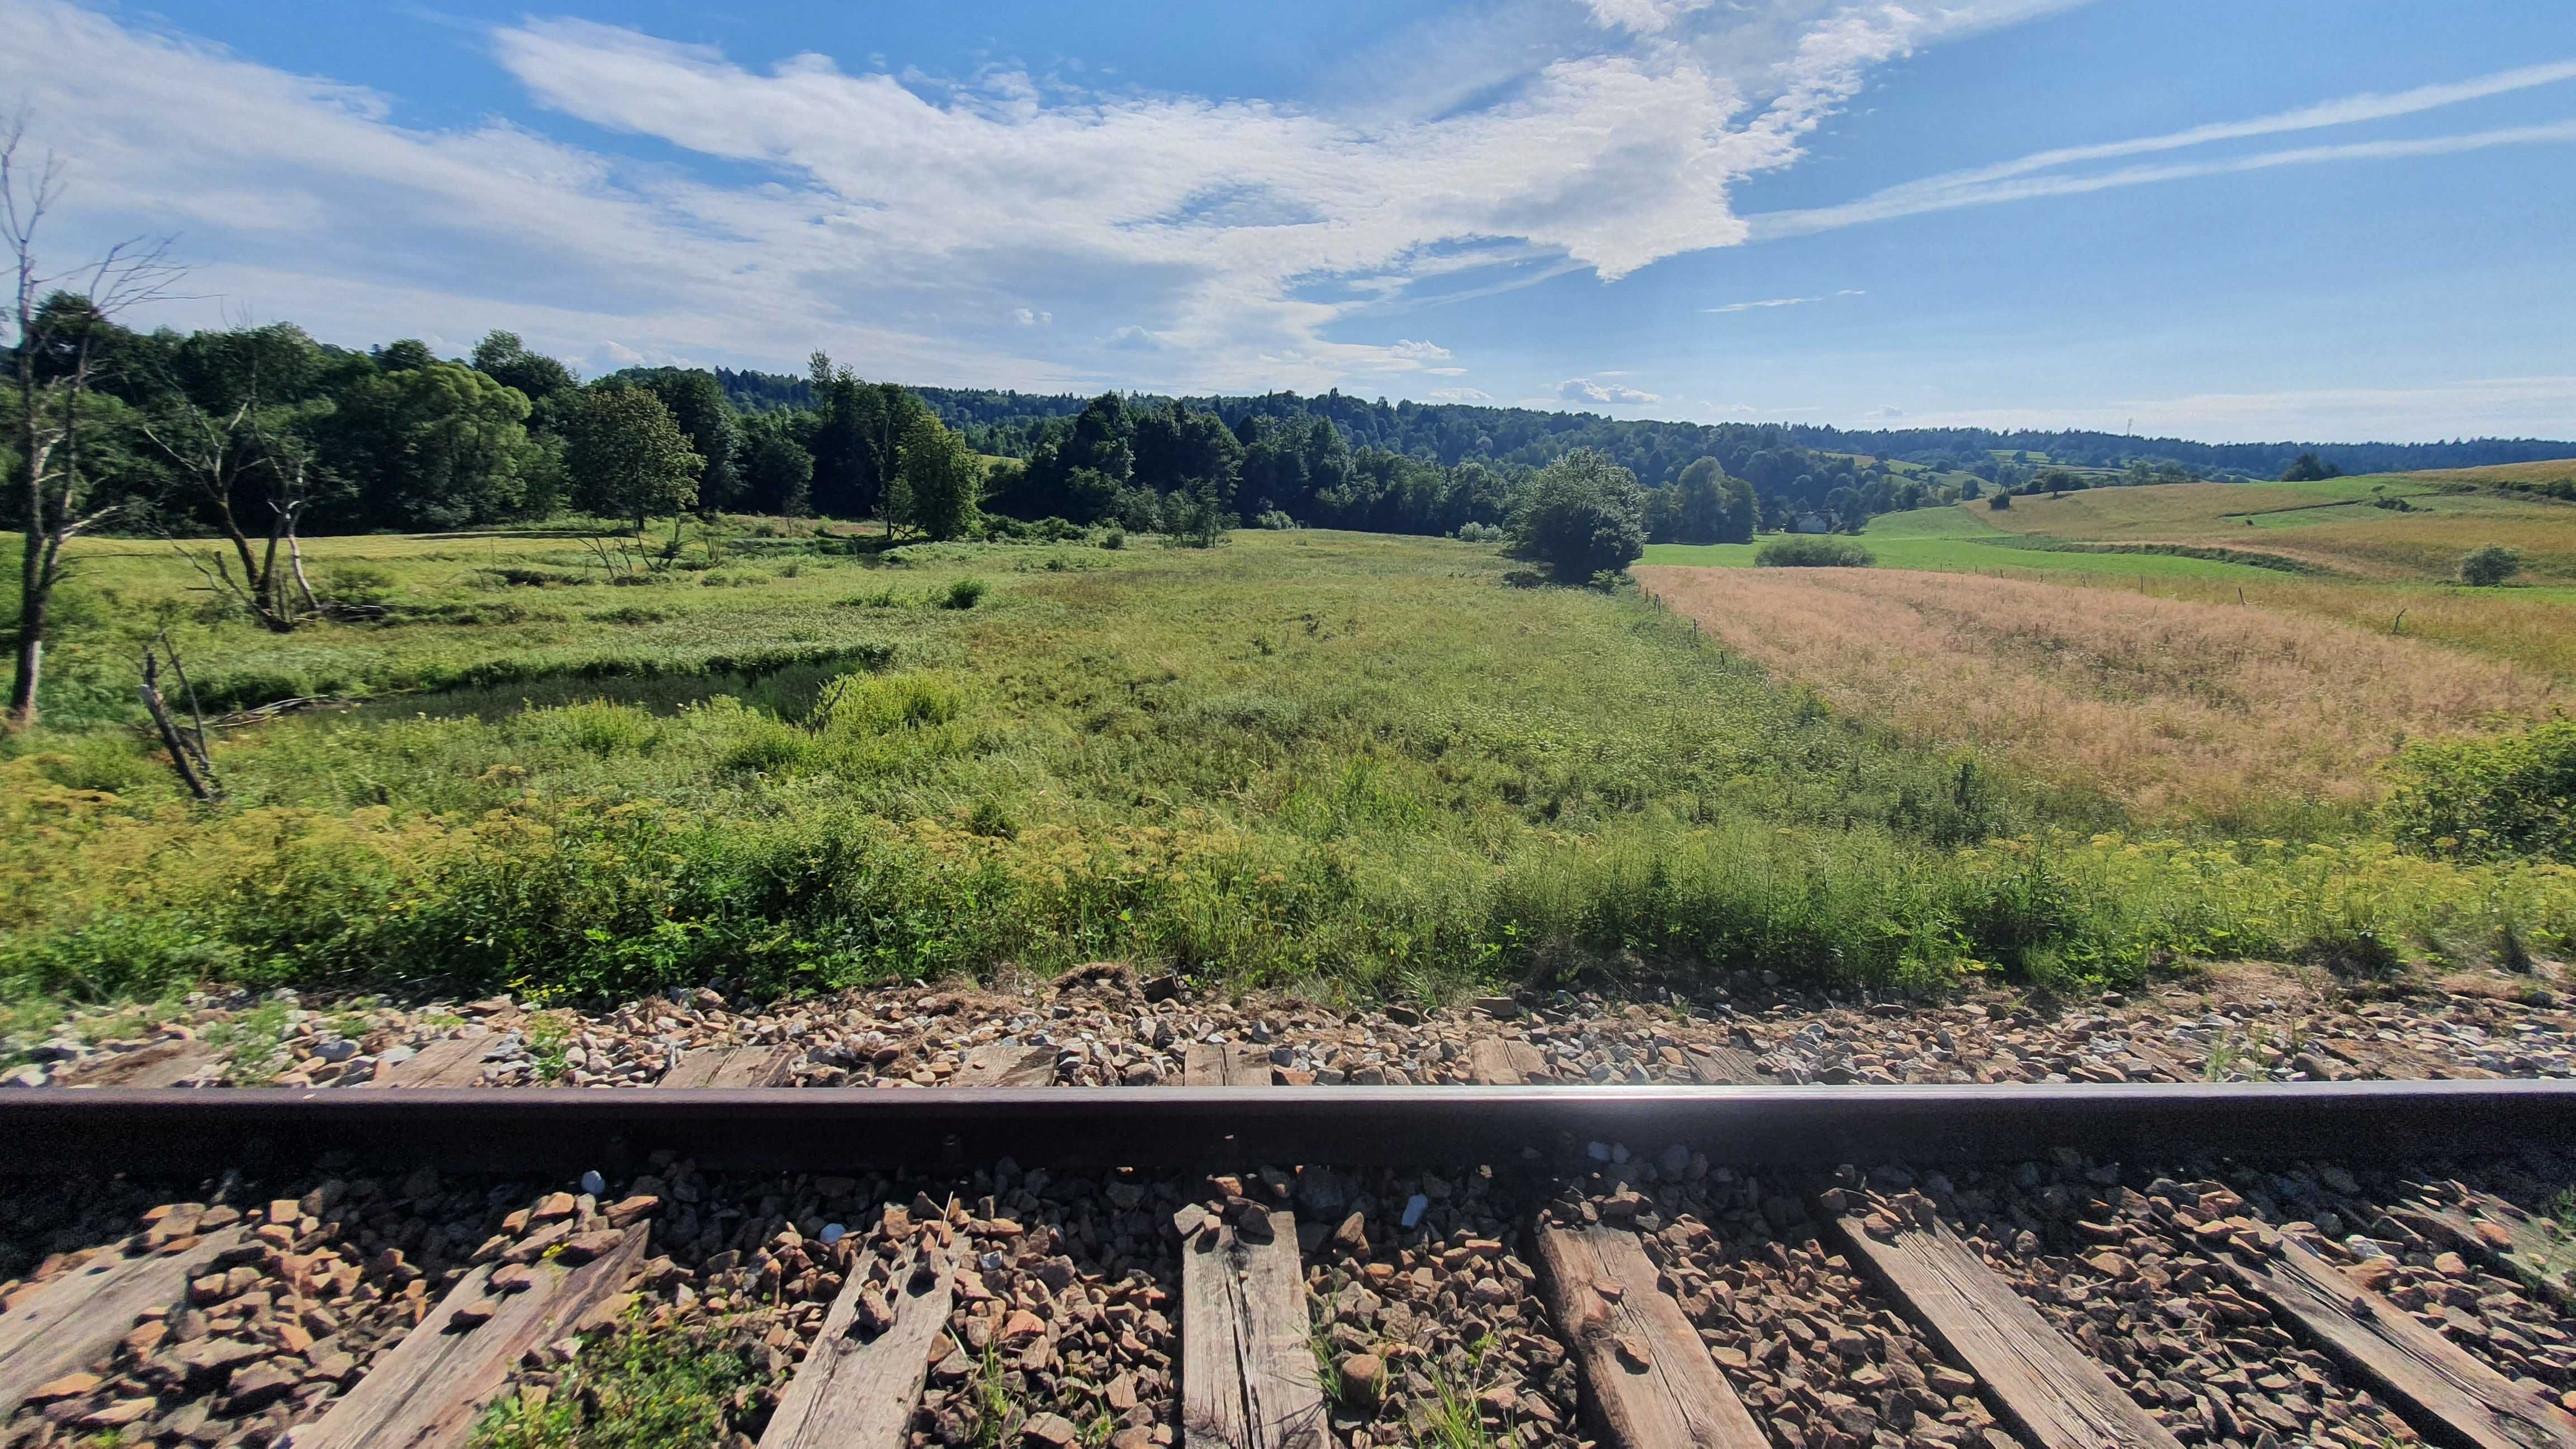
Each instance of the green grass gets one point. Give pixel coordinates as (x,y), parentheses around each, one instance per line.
(1952,540)
(638,1388)
(1362,765)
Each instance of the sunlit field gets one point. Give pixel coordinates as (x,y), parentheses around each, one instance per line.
(2334,526)
(1358,764)
(2179,710)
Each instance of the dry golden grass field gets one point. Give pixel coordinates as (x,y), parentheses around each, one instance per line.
(2335,525)
(2179,709)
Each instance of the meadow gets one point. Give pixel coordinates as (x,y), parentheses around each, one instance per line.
(2334,527)
(2320,548)
(2231,716)
(1961,540)
(1358,765)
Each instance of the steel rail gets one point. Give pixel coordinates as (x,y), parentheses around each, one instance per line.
(50,1131)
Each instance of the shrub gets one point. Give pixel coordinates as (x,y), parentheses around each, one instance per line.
(1813,551)
(2498,795)
(963,594)
(1482,533)
(2489,566)
(2002,503)
(1274,520)
(1115,538)
(1582,515)
(640,1386)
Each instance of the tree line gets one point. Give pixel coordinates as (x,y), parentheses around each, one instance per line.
(1007,423)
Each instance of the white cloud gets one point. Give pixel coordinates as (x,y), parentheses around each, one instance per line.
(2026,188)
(1458,395)
(1026,318)
(868,212)
(1783,301)
(1419,351)
(2022,178)
(1584,389)
(1645,17)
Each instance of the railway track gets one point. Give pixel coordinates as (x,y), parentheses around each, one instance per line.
(1229,1263)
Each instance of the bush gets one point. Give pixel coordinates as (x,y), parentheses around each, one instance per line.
(2002,503)
(1482,533)
(1115,538)
(2489,566)
(1582,515)
(1813,551)
(963,594)
(2500,795)
(1274,520)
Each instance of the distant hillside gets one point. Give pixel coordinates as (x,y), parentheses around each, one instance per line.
(1008,424)
(2555,478)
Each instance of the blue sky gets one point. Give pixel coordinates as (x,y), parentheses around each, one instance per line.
(2299,218)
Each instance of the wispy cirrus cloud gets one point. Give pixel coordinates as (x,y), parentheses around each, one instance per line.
(1770,302)
(2047,173)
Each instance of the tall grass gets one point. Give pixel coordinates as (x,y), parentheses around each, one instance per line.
(2183,712)
(1364,765)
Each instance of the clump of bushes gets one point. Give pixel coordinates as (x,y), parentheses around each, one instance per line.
(1813,551)
(1582,516)
(963,594)
(1482,533)
(2492,796)
(2489,566)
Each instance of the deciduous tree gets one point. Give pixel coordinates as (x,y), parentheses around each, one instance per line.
(1583,515)
(627,457)
(936,483)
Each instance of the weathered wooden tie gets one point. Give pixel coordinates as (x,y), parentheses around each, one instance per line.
(427,1393)
(1506,1062)
(736,1066)
(2430,1381)
(2042,1385)
(161,1064)
(861,1381)
(1649,1379)
(1726,1066)
(2532,1249)
(1225,1064)
(1001,1065)
(66,1325)
(1248,1378)
(453,1061)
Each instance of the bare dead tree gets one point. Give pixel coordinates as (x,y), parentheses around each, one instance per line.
(220,455)
(53,357)
(187,747)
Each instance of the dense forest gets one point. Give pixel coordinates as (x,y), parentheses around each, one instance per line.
(1655,451)
(242,432)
